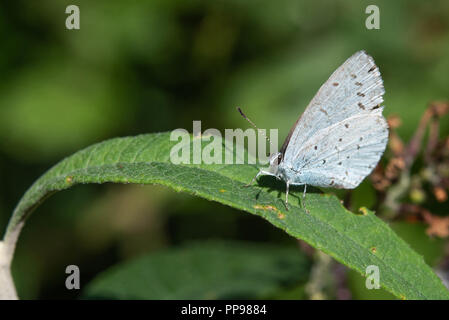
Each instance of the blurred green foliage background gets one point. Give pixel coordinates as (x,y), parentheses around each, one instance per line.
(149,66)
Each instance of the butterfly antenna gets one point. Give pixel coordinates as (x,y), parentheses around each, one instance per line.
(252,123)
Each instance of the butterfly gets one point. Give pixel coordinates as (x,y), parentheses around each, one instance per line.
(341,136)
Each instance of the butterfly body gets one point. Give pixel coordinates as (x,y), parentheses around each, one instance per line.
(342,134)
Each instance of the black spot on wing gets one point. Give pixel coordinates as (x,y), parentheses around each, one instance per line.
(324,111)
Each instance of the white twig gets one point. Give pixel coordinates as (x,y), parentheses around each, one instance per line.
(7,247)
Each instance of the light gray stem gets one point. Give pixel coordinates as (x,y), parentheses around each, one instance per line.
(7,247)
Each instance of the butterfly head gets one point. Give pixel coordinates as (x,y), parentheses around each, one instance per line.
(275,160)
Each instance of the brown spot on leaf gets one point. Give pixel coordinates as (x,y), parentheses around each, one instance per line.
(270,208)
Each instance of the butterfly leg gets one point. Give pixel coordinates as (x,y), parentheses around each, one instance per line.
(304,199)
(286,195)
(260,173)
(254,179)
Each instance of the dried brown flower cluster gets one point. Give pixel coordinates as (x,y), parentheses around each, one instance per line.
(396,182)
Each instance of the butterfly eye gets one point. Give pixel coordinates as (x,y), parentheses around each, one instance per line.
(279,158)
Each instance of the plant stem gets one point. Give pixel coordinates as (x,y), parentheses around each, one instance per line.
(7,247)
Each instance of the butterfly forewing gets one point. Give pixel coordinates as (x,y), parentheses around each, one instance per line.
(355,88)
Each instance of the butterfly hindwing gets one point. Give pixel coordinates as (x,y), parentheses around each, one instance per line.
(343,154)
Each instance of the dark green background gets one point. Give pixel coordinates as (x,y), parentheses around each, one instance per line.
(149,66)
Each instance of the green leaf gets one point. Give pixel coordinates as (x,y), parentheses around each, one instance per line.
(356,240)
(208,270)
(431,249)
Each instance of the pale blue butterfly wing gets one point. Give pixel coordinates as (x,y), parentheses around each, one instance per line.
(343,154)
(341,135)
(356,87)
